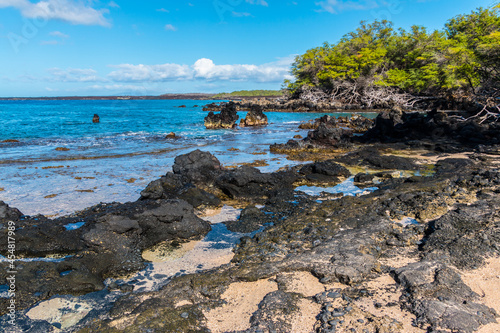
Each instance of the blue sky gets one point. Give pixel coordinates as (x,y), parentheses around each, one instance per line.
(92,47)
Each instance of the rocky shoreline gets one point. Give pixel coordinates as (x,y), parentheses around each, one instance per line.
(390,259)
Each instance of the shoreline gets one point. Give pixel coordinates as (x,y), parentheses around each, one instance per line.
(396,249)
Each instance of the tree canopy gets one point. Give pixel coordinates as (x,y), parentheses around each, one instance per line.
(462,58)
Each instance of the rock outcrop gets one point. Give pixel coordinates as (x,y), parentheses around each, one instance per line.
(255,117)
(226,119)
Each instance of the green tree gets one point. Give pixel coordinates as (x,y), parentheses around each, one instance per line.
(464,56)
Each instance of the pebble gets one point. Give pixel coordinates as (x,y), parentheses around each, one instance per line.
(338,314)
(334,295)
(185,315)
(361,321)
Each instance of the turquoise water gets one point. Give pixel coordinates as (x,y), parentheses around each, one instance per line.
(115,159)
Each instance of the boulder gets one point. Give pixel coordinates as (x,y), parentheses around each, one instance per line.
(255,117)
(197,167)
(8,214)
(224,120)
(330,136)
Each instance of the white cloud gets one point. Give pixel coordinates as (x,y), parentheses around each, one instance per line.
(272,72)
(75,12)
(74,75)
(163,10)
(258,2)
(131,89)
(203,69)
(335,6)
(113,4)
(59,34)
(151,73)
(170,27)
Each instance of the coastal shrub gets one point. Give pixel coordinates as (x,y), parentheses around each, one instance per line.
(462,58)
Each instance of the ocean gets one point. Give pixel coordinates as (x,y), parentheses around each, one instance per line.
(63,162)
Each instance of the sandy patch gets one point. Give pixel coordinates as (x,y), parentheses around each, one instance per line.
(386,292)
(242,300)
(123,323)
(304,320)
(486,283)
(60,312)
(302,283)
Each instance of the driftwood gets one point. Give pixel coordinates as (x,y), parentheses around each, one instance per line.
(362,93)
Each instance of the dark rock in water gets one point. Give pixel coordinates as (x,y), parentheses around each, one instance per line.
(436,294)
(96,119)
(255,117)
(171,219)
(171,135)
(10,141)
(225,119)
(173,186)
(182,106)
(8,214)
(244,181)
(197,166)
(190,172)
(325,168)
(363,178)
(330,136)
(248,182)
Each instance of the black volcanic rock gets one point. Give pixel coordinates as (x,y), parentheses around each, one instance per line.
(225,119)
(255,117)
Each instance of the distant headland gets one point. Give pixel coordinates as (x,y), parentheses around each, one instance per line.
(192,96)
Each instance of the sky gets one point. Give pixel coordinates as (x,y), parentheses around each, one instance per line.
(150,47)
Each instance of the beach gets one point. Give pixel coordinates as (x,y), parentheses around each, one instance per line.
(243,229)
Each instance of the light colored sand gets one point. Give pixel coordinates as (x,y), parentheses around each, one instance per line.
(303,283)
(304,320)
(385,291)
(486,282)
(242,300)
(65,312)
